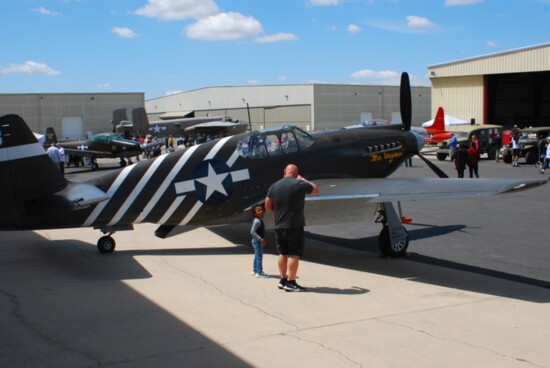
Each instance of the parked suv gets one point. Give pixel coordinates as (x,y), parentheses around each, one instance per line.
(485,133)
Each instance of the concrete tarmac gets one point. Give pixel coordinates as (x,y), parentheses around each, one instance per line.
(473,292)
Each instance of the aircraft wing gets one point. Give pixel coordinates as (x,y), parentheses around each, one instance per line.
(388,190)
(213,126)
(355,200)
(88,153)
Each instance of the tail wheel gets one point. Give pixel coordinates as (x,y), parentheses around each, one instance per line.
(395,249)
(106,244)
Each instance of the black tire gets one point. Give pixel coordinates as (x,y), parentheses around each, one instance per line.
(531,157)
(507,157)
(387,249)
(123,163)
(106,244)
(441,156)
(94,166)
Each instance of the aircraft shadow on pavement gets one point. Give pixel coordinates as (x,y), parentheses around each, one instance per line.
(415,267)
(64,302)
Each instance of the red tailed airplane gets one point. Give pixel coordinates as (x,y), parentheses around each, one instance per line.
(217,182)
(437,132)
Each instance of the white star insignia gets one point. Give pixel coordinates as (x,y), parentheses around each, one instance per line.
(213,182)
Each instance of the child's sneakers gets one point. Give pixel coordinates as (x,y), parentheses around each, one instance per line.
(262,275)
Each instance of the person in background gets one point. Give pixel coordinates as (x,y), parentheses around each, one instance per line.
(547,157)
(515,145)
(53,152)
(461,159)
(61,158)
(473,160)
(453,145)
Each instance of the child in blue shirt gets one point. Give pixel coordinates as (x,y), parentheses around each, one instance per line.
(258,242)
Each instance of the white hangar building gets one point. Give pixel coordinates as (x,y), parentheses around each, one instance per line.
(505,88)
(72,115)
(308,106)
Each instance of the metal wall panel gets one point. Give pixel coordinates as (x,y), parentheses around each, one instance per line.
(44,110)
(461,97)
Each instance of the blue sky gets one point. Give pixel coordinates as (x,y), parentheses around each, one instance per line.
(166,46)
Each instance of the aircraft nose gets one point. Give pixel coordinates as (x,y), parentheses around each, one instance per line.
(419,140)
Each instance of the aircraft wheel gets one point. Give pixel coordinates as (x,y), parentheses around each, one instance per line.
(531,157)
(398,249)
(441,156)
(106,244)
(123,163)
(94,166)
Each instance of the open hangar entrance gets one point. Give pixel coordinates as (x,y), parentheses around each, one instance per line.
(518,98)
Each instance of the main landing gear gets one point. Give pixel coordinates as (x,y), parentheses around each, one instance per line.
(106,244)
(393,240)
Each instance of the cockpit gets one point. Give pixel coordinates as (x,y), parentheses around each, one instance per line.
(274,142)
(106,138)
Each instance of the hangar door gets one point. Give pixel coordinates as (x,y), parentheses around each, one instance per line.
(72,127)
(521,98)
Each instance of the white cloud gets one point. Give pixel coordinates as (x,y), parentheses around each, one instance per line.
(124,32)
(29,67)
(253,82)
(277,37)
(418,22)
(352,28)
(44,11)
(388,77)
(461,2)
(178,9)
(323,2)
(103,86)
(172,92)
(491,44)
(282,78)
(224,26)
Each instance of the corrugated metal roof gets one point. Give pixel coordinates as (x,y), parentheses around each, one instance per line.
(486,56)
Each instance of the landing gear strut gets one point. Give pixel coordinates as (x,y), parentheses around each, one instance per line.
(393,240)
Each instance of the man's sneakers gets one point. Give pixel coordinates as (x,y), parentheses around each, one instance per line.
(292,286)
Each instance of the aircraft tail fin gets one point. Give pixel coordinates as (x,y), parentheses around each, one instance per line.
(439,121)
(51,137)
(27,173)
(140,120)
(118,116)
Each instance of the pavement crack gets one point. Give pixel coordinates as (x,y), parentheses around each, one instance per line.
(460,342)
(18,315)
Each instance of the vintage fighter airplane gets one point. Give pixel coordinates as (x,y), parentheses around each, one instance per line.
(140,125)
(107,145)
(217,182)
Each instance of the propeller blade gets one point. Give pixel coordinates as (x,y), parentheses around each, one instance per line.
(434,168)
(405,101)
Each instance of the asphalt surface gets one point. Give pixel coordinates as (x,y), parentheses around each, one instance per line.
(472,292)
